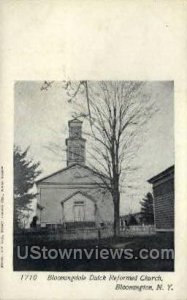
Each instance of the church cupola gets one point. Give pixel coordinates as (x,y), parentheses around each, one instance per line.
(75,143)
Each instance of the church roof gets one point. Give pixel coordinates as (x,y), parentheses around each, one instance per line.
(164,174)
(66,169)
(55,173)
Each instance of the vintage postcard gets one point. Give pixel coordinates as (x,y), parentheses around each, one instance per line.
(93,150)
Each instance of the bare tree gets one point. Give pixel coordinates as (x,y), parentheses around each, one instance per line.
(116,112)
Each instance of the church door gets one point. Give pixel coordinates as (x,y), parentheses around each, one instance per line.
(79,212)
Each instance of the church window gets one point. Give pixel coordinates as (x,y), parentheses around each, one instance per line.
(75,153)
(76,131)
(71,155)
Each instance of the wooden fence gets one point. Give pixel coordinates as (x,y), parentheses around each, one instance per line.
(57,234)
(138,230)
(62,234)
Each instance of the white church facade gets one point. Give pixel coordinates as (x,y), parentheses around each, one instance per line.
(74,196)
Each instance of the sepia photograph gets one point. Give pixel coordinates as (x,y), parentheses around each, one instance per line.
(94,171)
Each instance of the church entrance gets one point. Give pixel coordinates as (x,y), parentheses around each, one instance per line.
(79,211)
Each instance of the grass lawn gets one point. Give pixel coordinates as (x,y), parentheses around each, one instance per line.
(135,244)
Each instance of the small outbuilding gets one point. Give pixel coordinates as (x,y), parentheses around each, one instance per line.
(163,191)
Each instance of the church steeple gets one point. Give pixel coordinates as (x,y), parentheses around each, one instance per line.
(75,143)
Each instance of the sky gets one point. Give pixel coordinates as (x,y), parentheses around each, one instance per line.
(41,117)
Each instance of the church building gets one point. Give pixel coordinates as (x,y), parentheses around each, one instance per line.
(74,196)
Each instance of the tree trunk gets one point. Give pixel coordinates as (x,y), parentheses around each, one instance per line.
(116,201)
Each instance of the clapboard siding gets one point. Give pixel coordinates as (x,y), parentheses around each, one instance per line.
(163,191)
